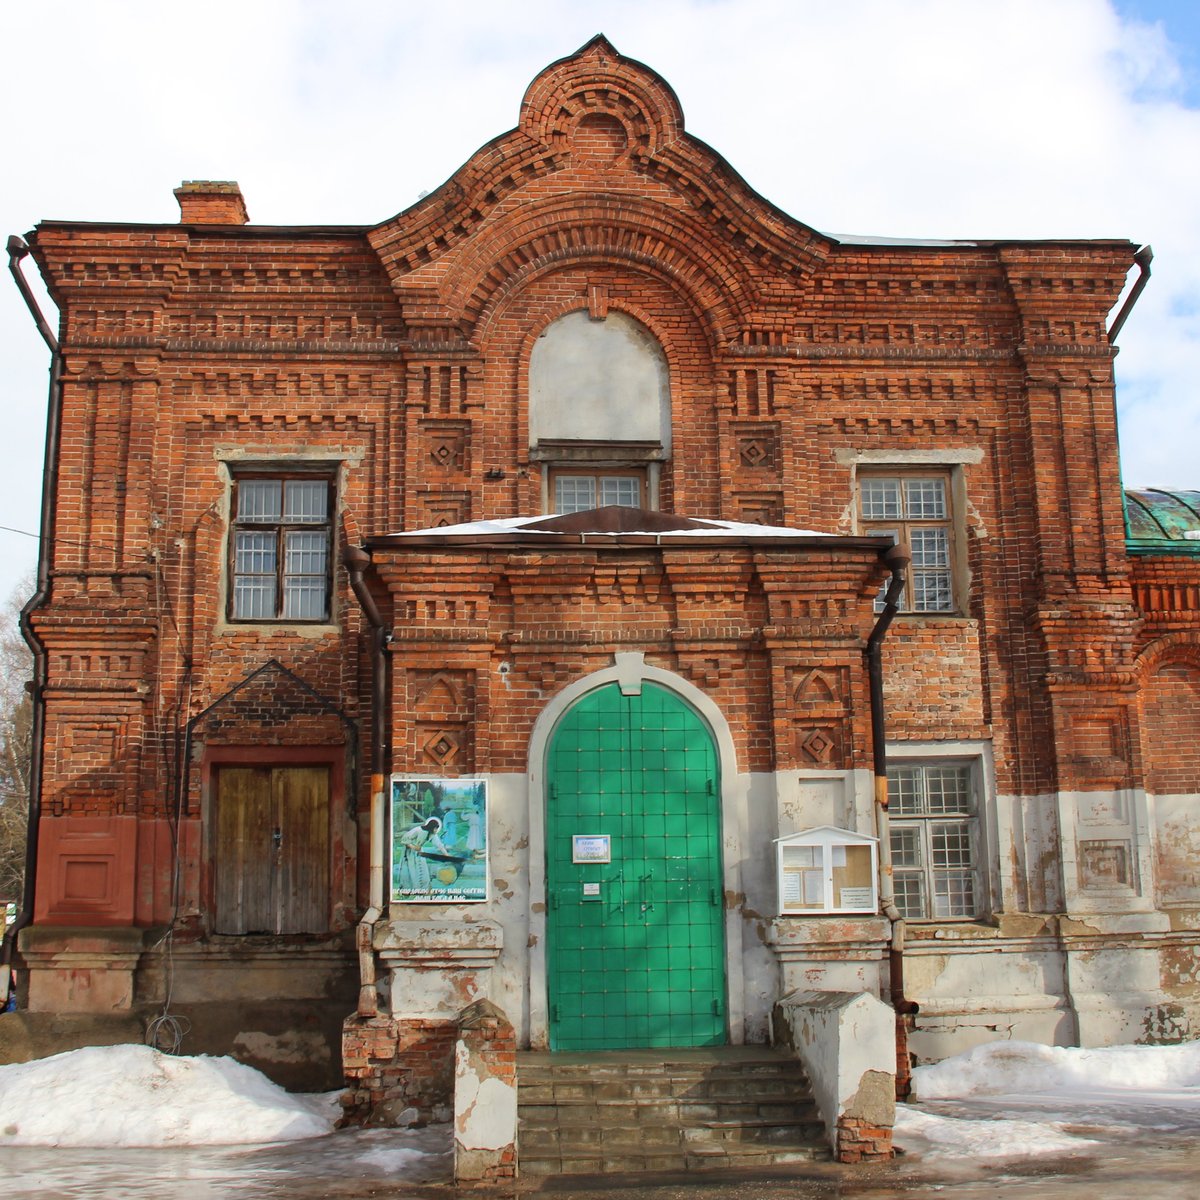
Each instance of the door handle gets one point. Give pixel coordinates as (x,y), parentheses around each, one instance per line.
(277,839)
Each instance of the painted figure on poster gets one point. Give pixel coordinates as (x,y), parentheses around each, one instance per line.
(439,840)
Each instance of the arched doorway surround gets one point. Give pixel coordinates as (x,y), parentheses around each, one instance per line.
(629,674)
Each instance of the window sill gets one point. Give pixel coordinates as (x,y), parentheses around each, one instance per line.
(967,929)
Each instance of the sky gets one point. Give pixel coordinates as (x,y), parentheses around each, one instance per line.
(899,118)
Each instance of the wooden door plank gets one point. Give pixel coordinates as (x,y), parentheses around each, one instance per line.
(302,813)
(242,853)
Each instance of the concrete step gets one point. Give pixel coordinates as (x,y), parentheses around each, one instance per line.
(598,1161)
(665,1111)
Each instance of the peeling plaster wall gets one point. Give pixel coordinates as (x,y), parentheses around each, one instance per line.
(1114,970)
(1177,844)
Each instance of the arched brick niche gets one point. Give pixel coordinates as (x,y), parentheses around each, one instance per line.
(1171,728)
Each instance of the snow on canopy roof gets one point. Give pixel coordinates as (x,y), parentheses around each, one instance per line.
(859,239)
(613,521)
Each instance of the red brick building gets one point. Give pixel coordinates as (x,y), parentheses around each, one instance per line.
(583,471)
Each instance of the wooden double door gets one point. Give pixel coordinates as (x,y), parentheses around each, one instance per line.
(271,849)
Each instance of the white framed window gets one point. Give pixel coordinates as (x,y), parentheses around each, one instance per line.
(937,867)
(916,509)
(280,547)
(578,491)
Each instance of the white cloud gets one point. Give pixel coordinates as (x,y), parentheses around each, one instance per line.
(934,118)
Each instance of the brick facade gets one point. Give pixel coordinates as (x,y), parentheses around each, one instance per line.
(394,361)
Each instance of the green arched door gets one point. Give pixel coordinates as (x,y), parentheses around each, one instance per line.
(635,945)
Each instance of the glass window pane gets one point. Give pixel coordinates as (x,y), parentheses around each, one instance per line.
(953,894)
(254,597)
(930,591)
(930,546)
(880,499)
(624,490)
(904,790)
(306,501)
(910,895)
(254,553)
(304,598)
(925,499)
(259,500)
(950,844)
(948,789)
(906,846)
(306,553)
(574,493)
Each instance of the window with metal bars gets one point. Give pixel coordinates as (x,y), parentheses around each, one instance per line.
(933,809)
(575,491)
(914,509)
(279,551)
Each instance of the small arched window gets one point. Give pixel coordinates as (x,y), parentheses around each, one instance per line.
(599,412)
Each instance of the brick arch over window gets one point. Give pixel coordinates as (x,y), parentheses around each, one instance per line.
(1170,711)
(617,231)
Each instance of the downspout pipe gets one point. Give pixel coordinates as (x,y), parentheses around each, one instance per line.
(896,559)
(357,561)
(1144,257)
(18,250)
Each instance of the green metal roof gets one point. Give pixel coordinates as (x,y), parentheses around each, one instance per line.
(1158,521)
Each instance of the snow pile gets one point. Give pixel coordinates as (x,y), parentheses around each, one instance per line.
(1061,1082)
(136,1096)
(1024,1068)
(934,1136)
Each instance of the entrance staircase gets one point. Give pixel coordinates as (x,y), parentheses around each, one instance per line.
(664,1110)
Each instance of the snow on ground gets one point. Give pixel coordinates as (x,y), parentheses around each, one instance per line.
(1063,1081)
(933,1136)
(1008,1068)
(136,1096)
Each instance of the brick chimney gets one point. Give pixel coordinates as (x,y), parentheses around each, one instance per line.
(210,202)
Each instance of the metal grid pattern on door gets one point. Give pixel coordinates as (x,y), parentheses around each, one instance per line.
(635,945)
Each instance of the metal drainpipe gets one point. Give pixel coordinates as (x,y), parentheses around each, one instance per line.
(357,561)
(18,249)
(897,559)
(1144,257)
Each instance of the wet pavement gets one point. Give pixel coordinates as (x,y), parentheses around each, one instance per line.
(1150,1152)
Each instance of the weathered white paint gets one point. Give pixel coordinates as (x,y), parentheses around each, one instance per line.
(1175,821)
(847,1043)
(485,1109)
(604,381)
(1112,969)
(437,965)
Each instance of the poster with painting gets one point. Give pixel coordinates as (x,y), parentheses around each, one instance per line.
(439,841)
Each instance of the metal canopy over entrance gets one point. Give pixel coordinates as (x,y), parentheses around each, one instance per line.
(635,934)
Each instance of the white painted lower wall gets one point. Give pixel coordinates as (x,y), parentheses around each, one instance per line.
(1115,960)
